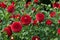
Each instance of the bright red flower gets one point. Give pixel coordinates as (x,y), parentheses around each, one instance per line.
(52,14)
(8,30)
(16,27)
(26,19)
(3,5)
(11,8)
(36,1)
(40,17)
(48,22)
(58,31)
(35,38)
(58,21)
(55,5)
(34,22)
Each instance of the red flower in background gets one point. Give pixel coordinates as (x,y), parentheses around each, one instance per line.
(26,19)
(27,4)
(3,5)
(35,38)
(13,3)
(8,30)
(16,27)
(52,14)
(59,6)
(48,22)
(11,8)
(36,1)
(34,22)
(33,9)
(40,17)
(58,21)
(17,16)
(58,31)
(55,5)
(12,16)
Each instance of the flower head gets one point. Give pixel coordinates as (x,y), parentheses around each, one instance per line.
(40,17)
(48,22)
(16,27)
(8,30)
(26,19)
(35,38)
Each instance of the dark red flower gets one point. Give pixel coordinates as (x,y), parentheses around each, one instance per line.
(17,16)
(36,1)
(48,22)
(34,22)
(55,5)
(12,16)
(35,38)
(0,21)
(3,5)
(16,27)
(58,21)
(33,9)
(8,30)
(27,4)
(58,31)
(40,17)
(52,14)
(11,8)
(26,19)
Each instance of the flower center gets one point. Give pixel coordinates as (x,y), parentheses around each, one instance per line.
(36,38)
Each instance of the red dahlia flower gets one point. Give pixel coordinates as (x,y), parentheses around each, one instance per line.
(36,1)
(40,17)
(35,38)
(11,8)
(52,14)
(3,5)
(26,19)
(16,27)
(58,31)
(48,22)
(8,30)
